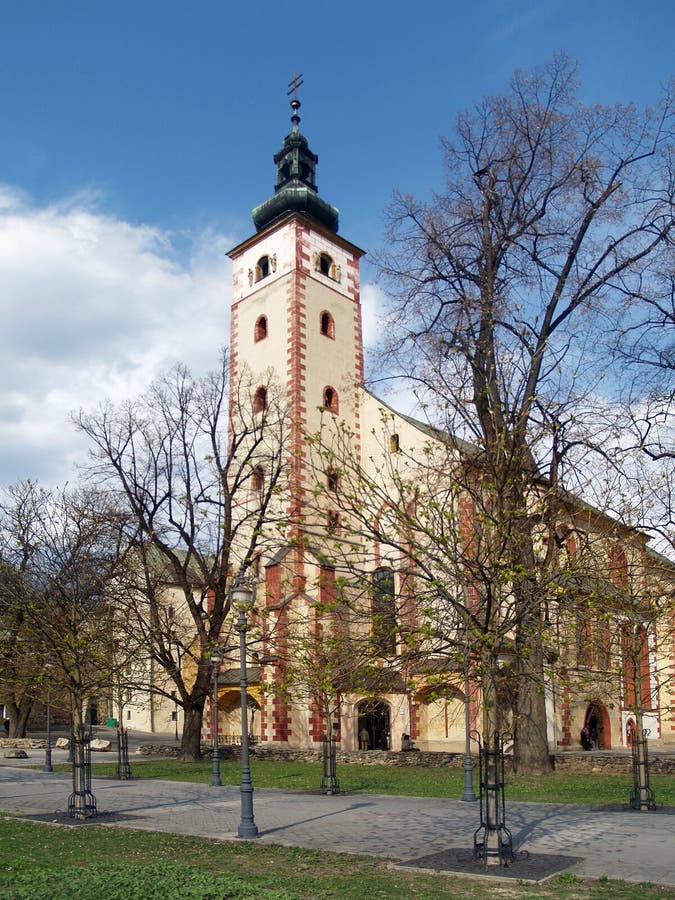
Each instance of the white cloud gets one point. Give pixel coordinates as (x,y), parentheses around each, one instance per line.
(372,308)
(379,374)
(94,307)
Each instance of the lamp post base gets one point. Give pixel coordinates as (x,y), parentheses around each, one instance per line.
(215,772)
(468,795)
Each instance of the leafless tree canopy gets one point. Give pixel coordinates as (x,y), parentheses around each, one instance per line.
(62,551)
(554,218)
(197,469)
(506,291)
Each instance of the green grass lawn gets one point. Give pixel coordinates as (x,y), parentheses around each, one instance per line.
(90,862)
(413,781)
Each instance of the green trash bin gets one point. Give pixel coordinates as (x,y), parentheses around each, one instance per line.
(111,723)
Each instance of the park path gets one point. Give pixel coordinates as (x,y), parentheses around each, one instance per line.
(583,840)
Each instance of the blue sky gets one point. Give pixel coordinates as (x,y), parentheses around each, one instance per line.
(136,138)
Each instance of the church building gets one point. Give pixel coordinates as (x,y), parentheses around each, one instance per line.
(296,329)
(296,312)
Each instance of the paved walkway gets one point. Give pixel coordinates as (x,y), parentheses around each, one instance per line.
(616,843)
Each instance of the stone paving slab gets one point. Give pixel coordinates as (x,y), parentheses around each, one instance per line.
(591,842)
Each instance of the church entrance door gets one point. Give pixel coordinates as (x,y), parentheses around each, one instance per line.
(598,727)
(374,718)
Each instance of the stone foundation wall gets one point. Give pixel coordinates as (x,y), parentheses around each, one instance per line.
(22,743)
(595,762)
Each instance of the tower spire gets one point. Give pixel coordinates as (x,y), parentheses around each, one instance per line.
(293,85)
(295,188)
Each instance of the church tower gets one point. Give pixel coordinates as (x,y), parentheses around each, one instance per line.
(296,314)
(296,306)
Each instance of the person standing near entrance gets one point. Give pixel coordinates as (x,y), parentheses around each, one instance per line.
(364,739)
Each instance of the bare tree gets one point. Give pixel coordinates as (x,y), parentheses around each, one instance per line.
(500,287)
(20,660)
(66,549)
(199,471)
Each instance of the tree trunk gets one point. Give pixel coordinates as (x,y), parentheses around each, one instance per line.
(190,746)
(530,741)
(18,715)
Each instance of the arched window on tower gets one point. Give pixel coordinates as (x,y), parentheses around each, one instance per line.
(260,331)
(260,400)
(384,612)
(327,324)
(333,522)
(257,479)
(262,268)
(330,400)
(332,481)
(326,265)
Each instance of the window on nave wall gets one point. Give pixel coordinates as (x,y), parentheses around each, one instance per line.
(593,635)
(635,664)
(383,608)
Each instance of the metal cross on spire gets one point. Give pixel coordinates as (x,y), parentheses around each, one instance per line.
(293,86)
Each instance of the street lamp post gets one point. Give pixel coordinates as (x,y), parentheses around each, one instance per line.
(216,660)
(242,600)
(468,794)
(49,664)
(175,693)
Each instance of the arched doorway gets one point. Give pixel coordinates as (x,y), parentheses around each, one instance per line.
(374,718)
(229,715)
(630,732)
(598,727)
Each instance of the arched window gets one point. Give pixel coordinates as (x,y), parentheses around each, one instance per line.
(327,325)
(325,264)
(384,612)
(618,567)
(330,400)
(635,652)
(258,478)
(394,445)
(332,481)
(260,331)
(260,400)
(262,268)
(332,522)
